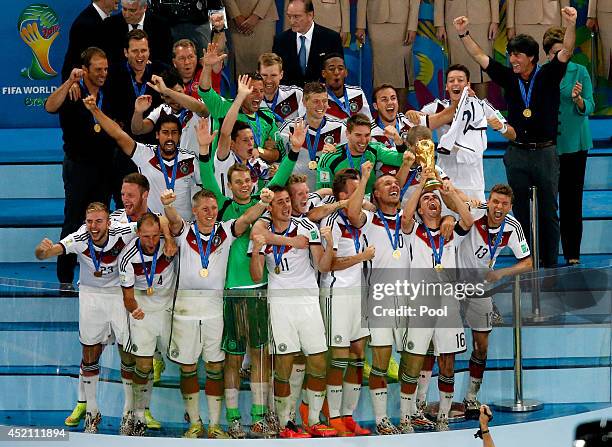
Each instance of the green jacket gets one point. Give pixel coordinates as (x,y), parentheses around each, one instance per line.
(574,132)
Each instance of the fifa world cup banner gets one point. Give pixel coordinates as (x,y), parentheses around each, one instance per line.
(35,37)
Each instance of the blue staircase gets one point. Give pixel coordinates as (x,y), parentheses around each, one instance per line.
(32,196)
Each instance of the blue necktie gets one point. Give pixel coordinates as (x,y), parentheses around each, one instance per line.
(302,54)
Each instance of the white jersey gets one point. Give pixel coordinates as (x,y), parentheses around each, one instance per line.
(437,106)
(259,171)
(187,181)
(463,143)
(189,122)
(348,241)
(357,103)
(332,131)
(413,180)
(120,216)
(421,251)
(287,103)
(296,268)
(191,263)
(79,243)
(375,234)
(402,124)
(133,264)
(475,251)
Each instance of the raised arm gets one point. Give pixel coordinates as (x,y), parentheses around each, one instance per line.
(404,170)
(47,249)
(296,141)
(244,90)
(318,213)
(355,215)
(256,266)
(461,25)
(323,257)
(244,222)
(209,181)
(123,140)
(413,201)
(175,221)
(57,98)
(569,16)
(466,218)
(140,125)
(188,102)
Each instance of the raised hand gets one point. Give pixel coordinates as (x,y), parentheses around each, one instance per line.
(90,103)
(76,75)
(392,134)
(266,195)
(143,103)
(461,24)
(414,116)
(167,197)
(211,55)
(366,169)
(408,158)
(495,123)
(298,135)
(205,138)
(157,83)
(569,14)
(258,242)
(244,87)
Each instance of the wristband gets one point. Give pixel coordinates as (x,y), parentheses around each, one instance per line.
(504,129)
(467,33)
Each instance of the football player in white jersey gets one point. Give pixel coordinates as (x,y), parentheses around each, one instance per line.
(166,166)
(493,230)
(344,100)
(147,277)
(341,307)
(429,251)
(384,229)
(295,315)
(197,325)
(237,145)
(284,101)
(463,138)
(186,108)
(102,316)
(324,132)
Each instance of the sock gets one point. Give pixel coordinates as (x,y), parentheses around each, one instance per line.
(127,371)
(192,406)
(81,389)
(259,393)
(149,392)
(91,376)
(232,409)
(282,390)
(246,360)
(425,377)
(446,385)
(408,389)
(378,392)
(140,390)
(214,395)
(296,380)
(315,399)
(190,389)
(351,387)
(477,368)
(334,386)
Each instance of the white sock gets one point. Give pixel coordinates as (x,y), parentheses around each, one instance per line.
(334,400)
(259,393)
(446,400)
(192,406)
(231,397)
(140,400)
(81,388)
(214,408)
(149,392)
(379,403)
(407,406)
(423,386)
(473,388)
(282,409)
(128,395)
(90,383)
(315,403)
(296,380)
(350,398)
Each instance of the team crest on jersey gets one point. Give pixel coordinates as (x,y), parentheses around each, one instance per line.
(282,347)
(184,167)
(329,139)
(338,339)
(410,345)
(285,109)
(354,106)
(134,348)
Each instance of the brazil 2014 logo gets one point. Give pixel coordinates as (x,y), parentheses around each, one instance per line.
(38,26)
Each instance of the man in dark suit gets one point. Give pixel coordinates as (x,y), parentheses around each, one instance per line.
(85,32)
(134,15)
(304,46)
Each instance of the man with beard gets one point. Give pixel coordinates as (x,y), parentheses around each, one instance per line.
(166,166)
(344,100)
(324,133)
(102,317)
(284,101)
(261,121)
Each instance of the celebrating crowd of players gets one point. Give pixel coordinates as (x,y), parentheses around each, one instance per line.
(248,229)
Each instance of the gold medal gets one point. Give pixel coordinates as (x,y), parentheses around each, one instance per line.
(203,272)
(491,264)
(397,254)
(150,291)
(98,274)
(527,113)
(277,270)
(439,267)
(97,128)
(312,165)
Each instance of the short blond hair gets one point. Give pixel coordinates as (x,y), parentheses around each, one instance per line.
(269,59)
(96,206)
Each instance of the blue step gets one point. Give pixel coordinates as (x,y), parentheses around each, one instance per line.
(31,181)
(35,146)
(18,244)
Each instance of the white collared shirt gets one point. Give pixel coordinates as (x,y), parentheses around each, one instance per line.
(139,25)
(103,15)
(308,41)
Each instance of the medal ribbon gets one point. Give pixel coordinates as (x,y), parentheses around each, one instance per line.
(256,135)
(92,253)
(408,182)
(277,251)
(395,239)
(203,255)
(182,115)
(498,239)
(137,91)
(437,255)
(312,148)
(100,96)
(527,96)
(149,275)
(272,107)
(346,108)
(162,165)
(349,157)
(350,228)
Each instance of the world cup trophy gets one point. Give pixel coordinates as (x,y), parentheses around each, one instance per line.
(425,156)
